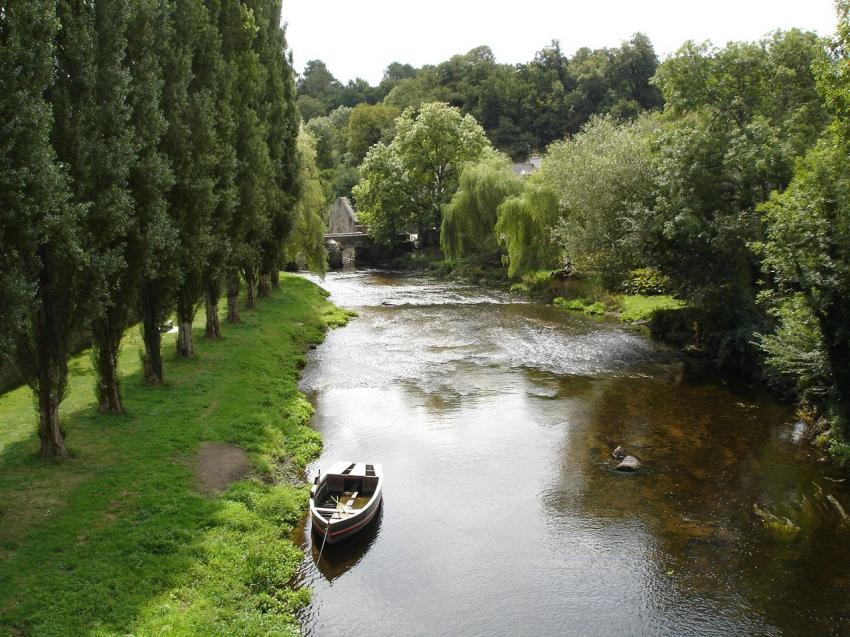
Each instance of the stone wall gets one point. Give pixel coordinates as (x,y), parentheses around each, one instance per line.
(342,219)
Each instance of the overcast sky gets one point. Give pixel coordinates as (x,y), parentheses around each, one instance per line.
(361,37)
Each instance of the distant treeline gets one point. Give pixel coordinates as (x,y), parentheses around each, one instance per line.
(522,107)
(151,159)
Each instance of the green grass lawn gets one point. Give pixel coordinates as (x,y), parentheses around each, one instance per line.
(631,308)
(118,540)
(637,307)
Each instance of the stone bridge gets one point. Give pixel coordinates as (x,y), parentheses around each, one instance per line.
(347,241)
(347,247)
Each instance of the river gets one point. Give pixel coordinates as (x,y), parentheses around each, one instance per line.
(495,420)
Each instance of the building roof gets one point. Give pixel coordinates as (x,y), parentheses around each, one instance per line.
(523,169)
(534,162)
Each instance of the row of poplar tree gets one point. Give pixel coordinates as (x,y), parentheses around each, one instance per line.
(148,161)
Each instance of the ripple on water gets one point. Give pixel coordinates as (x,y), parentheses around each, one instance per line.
(427,345)
(373,289)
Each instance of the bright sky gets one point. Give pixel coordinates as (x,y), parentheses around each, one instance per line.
(361,37)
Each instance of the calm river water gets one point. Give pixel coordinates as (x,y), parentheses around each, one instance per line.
(495,421)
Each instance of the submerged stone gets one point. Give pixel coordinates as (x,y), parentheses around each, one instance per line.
(629,464)
(780,527)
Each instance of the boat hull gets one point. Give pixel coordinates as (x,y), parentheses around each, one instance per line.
(343,529)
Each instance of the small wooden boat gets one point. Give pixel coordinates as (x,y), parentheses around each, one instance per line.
(345,499)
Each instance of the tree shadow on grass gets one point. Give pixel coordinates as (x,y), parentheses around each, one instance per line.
(99,534)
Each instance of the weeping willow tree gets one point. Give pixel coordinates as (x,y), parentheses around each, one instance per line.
(307,239)
(524,226)
(469,219)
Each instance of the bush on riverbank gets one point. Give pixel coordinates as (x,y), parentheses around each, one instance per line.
(117,539)
(592,308)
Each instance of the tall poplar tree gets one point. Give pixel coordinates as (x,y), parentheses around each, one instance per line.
(111,223)
(156,241)
(250,221)
(221,11)
(190,143)
(282,123)
(43,295)
(93,137)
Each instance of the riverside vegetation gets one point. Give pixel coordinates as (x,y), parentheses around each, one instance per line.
(119,540)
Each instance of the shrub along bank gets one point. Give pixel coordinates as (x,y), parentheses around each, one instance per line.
(118,539)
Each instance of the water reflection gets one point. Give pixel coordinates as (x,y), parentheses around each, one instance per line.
(337,559)
(495,423)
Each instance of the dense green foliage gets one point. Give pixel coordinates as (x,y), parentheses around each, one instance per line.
(524,226)
(369,124)
(469,219)
(522,108)
(337,169)
(406,183)
(149,149)
(44,249)
(807,250)
(307,240)
(119,541)
(602,177)
(190,143)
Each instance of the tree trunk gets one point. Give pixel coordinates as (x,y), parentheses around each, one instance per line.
(233,297)
(185,316)
(264,289)
(152,358)
(213,328)
(274,277)
(108,387)
(49,431)
(185,346)
(250,299)
(49,388)
(153,306)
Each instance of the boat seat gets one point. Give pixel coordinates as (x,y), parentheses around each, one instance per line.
(370,483)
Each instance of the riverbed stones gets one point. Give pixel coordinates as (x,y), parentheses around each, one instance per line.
(628,464)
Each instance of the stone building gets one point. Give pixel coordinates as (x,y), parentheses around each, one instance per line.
(534,162)
(342,219)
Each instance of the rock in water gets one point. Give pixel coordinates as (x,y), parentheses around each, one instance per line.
(619,453)
(628,464)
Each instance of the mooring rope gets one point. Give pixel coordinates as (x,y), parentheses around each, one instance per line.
(327,530)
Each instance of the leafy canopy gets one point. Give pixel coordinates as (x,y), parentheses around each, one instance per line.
(407,182)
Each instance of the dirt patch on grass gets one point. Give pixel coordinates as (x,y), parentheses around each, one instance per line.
(218,465)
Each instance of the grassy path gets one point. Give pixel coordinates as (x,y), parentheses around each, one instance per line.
(118,540)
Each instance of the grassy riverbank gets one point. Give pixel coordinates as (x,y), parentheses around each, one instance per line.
(585,295)
(119,539)
(630,308)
